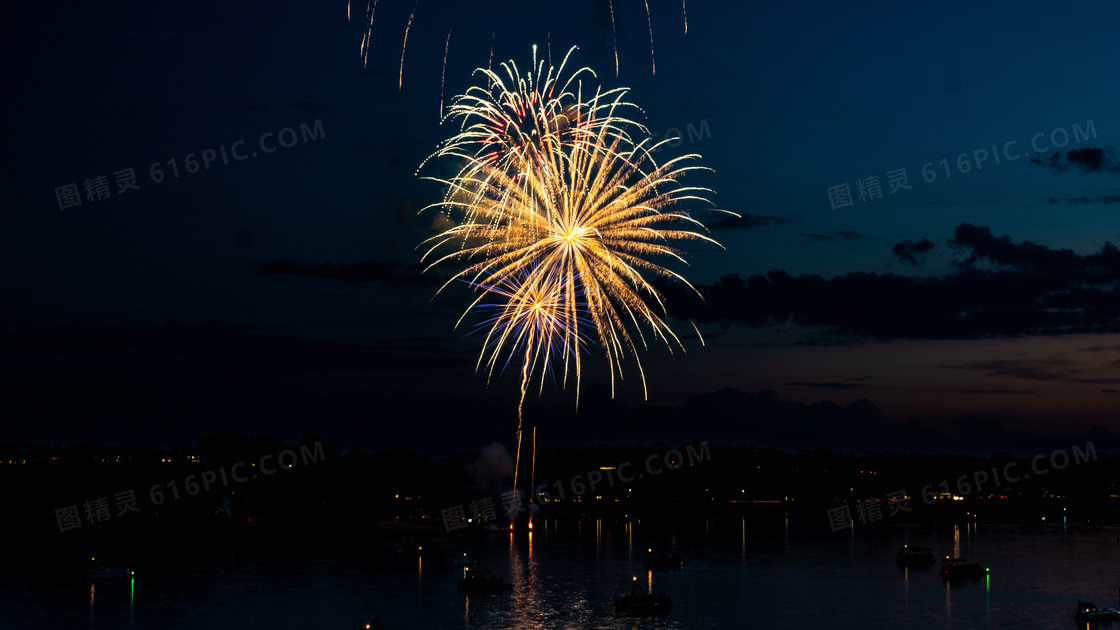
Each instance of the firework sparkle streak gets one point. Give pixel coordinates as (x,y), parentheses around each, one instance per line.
(371,7)
(561,216)
(649,20)
(614,37)
(404,45)
(443,75)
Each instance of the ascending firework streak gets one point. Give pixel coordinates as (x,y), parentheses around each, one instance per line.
(561,216)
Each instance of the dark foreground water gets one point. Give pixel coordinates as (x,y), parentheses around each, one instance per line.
(568,573)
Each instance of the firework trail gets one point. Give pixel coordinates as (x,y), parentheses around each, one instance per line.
(443,75)
(371,7)
(404,45)
(490,61)
(614,37)
(649,21)
(562,215)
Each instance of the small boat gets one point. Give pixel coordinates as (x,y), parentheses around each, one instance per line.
(643,604)
(1088,611)
(662,562)
(111,572)
(478,583)
(914,556)
(458,558)
(957,568)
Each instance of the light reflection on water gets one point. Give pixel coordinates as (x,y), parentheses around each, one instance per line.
(565,575)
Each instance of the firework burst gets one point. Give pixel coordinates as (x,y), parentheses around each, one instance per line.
(562,219)
(520,126)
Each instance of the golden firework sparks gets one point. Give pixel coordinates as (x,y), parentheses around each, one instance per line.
(563,216)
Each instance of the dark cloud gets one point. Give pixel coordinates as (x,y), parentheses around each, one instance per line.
(1090,160)
(1046,370)
(998,391)
(1087,160)
(828,385)
(217,347)
(1032,257)
(392,273)
(907,251)
(844,234)
(934,203)
(1032,289)
(1101,199)
(311,108)
(745,222)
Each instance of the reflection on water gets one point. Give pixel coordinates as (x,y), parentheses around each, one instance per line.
(565,575)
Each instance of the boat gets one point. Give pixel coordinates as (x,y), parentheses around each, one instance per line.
(914,556)
(478,583)
(662,562)
(104,570)
(643,604)
(961,568)
(111,572)
(458,558)
(1088,611)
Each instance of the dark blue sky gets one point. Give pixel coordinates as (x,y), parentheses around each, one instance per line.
(788,100)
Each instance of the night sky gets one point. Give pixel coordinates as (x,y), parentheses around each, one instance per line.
(282,292)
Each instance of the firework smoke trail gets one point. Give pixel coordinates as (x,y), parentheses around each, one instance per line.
(559,222)
(404,45)
(532,477)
